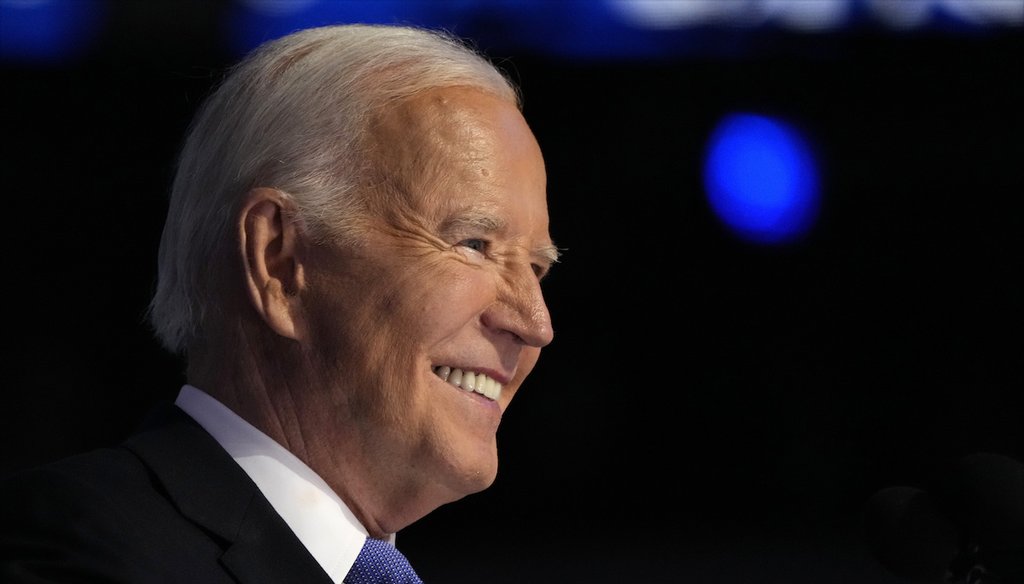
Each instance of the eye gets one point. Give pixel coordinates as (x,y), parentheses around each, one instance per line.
(542,270)
(477,245)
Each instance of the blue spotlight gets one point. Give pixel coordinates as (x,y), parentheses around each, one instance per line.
(251,22)
(760,179)
(48,31)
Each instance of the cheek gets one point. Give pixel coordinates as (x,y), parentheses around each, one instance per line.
(451,299)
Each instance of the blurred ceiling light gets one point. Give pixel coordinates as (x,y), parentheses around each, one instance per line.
(805,15)
(669,14)
(48,31)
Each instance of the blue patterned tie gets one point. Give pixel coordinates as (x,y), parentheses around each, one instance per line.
(380,563)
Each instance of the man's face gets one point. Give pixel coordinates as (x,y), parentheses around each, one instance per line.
(445,282)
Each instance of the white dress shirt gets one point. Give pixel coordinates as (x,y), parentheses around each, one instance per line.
(320,520)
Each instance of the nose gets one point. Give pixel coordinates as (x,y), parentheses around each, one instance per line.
(520,308)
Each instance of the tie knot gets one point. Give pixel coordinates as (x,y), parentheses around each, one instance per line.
(380,563)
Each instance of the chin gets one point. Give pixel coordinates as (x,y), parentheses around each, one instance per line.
(484,481)
(475,478)
(460,465)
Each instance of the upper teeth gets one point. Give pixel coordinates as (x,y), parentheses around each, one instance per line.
(470,381)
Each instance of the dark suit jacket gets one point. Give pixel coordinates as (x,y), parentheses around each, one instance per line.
(166,506)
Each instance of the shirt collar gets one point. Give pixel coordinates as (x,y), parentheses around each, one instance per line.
(313,511)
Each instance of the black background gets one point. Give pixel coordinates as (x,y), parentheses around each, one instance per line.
(710,410)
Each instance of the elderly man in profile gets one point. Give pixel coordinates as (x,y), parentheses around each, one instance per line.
(351,265)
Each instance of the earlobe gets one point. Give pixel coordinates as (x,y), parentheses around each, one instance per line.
(270,247)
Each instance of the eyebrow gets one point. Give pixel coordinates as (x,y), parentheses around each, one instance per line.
(549,253)
(475,221)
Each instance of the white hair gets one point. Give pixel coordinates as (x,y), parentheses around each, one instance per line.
(290,116)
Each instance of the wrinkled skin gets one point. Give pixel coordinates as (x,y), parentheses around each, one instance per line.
(447,272)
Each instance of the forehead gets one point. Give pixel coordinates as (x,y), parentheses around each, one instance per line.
(459,151)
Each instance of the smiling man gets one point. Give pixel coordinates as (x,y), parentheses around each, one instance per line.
(351,266)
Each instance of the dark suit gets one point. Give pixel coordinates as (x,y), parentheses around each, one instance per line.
(168,505)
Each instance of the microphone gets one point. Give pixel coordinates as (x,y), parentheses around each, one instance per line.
(969,530)
(986,501)
(910,536)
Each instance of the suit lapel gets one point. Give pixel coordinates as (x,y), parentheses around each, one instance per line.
(258,556)
(210,489)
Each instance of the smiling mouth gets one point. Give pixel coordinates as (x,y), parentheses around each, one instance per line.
(470,381)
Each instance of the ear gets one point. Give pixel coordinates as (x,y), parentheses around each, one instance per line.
(271,251)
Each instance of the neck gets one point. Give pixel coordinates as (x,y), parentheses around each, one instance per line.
(276,390)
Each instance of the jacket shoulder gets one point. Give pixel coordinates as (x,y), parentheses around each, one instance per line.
(98,516)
